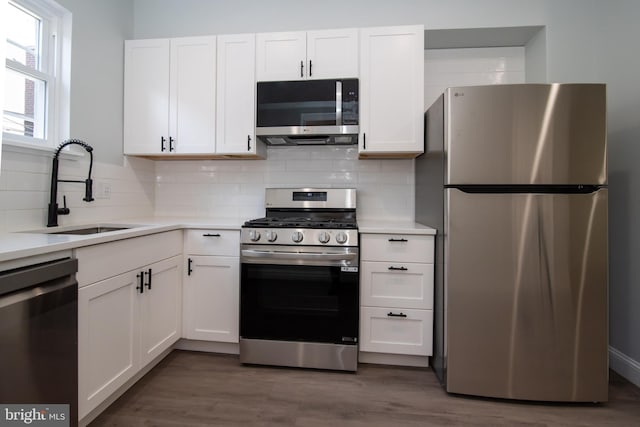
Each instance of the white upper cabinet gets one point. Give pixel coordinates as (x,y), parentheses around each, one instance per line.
(192,110)
(236,90)
(170,96)
(303,55)
(146,96)
(391,91)
(332,54)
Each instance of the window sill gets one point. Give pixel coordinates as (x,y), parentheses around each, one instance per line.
(23,148)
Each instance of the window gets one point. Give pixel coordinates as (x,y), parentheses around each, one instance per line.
(33,99)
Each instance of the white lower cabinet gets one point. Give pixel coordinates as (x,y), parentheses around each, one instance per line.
(160,308)
(127,315)
(396,295)
(108,338)
(212,285)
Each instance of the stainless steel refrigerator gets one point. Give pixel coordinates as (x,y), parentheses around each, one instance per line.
(514,178)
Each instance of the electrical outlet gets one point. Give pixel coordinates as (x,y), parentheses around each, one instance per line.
(102,191)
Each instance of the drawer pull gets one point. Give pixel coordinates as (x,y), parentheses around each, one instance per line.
(392,314)
(211,235)
(398,240)
(398,268)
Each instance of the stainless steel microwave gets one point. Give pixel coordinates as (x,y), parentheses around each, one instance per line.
(308,112)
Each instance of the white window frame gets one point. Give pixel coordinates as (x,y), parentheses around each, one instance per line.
(55,70)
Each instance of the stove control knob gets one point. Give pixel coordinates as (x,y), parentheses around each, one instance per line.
(254,235)
(271,236)
(324,237)
(297,236)
(341,237)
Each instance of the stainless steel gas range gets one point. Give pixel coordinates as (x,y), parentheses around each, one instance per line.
(299,286)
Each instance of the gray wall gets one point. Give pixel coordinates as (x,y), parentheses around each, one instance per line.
(585,41)
(97,72)
(618,63)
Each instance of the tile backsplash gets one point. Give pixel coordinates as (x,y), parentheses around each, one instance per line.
(235,189)
(25,184)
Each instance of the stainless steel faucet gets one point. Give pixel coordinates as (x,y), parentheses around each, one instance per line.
(54,210)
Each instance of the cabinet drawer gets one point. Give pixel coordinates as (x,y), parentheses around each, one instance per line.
(408,332)
(396,247)
(212,242)
(99,262)
(404,285)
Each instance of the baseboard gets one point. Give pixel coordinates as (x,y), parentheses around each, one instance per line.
(624,365)
(207,346)
(393,359)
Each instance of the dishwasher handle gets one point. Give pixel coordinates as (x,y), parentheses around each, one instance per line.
(33,281)
(30,276)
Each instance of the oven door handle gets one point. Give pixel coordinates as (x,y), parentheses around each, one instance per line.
(275,255)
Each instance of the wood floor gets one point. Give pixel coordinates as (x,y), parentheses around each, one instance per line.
(202,389)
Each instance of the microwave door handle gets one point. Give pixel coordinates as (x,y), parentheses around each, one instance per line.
(338,103)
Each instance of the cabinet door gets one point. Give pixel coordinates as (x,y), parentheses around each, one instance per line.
(193,95)
(394,330)
(391,91)
(281,56)
(332,54)
(160,307)
(235,124)
(146,96)
(108,353)
(211,299)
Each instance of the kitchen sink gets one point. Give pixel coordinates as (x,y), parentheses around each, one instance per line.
(84,230)
(90,230)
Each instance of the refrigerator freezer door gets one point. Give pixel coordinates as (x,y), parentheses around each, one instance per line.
(526,134)
(526,295)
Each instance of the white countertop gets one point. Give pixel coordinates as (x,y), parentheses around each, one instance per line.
(17,245)
(37,242)
(395,227)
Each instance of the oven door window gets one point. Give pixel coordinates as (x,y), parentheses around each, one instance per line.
(299,303)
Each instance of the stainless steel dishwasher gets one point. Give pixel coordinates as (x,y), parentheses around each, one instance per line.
(39,335)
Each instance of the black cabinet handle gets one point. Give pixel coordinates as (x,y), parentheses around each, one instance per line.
(149,281)
(248,142)
(391,314)
(398,240)
(141,286)
(162,141)
(171,148)
(398,268)
(211,235)
(301,68)
(189,269)
(310,68)
(364,141)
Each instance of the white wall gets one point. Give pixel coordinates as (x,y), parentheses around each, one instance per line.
(97,73)
(445,68)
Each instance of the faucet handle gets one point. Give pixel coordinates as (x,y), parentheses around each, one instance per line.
(88,190)
(64,210)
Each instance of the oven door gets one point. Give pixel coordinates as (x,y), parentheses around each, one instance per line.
(311,295)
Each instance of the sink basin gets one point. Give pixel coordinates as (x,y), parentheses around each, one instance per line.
(90,230)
